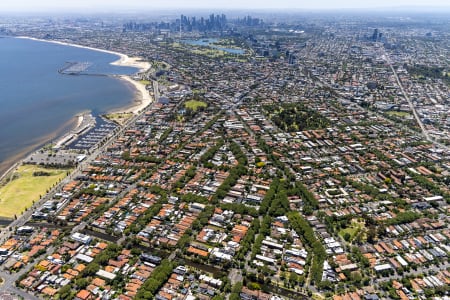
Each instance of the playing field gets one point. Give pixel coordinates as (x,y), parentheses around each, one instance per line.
(20,189)
(194,104)
(119,118)
(401,114)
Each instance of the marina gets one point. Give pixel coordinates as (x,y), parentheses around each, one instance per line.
(93,135)
(50,111)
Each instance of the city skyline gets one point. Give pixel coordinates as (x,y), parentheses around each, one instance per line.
(237,153)
(116,5)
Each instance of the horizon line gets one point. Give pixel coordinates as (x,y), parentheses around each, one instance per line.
(121,10)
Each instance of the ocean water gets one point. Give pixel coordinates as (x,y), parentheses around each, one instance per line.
(37,104)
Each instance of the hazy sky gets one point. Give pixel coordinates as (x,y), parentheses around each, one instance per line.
(112,5)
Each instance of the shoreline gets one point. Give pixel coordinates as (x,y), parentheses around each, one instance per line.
(123,60)
(17,159)
(142,97)
(141,100)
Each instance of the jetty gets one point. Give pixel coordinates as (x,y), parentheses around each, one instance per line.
(74,68)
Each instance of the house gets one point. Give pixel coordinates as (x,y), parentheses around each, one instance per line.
(84,295)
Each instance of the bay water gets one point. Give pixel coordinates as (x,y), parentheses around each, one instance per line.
(38,104)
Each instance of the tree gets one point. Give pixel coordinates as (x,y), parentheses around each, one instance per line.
(254,286)
(81,283)
(91,269)
(347,236)
(156,280)
(305,231)
(65,291)
(293,278)
(371,234)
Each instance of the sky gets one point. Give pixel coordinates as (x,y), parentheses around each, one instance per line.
(130,5)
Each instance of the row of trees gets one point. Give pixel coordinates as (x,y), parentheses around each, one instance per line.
(276,202)
(158,277)
(235,173)
(305,231)
(248,240)
(280,204)
(240,208)
(268,197)
(165,134)
(264,230)
(310,202)
(403,218)
(209,154)
(190,173)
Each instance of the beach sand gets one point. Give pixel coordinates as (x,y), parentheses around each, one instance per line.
(142,96)
(142,100)
(124,60)
(9,165)
(135,62)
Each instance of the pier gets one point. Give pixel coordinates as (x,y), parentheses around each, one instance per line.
(74,68)
(80,68)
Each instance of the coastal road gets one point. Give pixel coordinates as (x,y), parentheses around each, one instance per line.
(9,279)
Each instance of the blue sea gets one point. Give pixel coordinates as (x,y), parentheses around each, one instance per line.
(37,104)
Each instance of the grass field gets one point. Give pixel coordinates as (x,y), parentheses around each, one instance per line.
(18,193)
(194,104)
(350,230)
(401,114)
(145,82)
(119,118)
(356,227)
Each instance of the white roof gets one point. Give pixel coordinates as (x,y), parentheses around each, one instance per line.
(107,275)
(383,267)
(84,258)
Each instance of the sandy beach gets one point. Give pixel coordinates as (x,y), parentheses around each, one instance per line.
(135,62)
(124,60)
(9,165)
(142,98)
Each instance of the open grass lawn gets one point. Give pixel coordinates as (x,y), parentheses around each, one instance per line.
(356,227)
(350,230)
(401,114)
(209,52)
(194,104)
(119,118)
(19,193)
(145,82)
